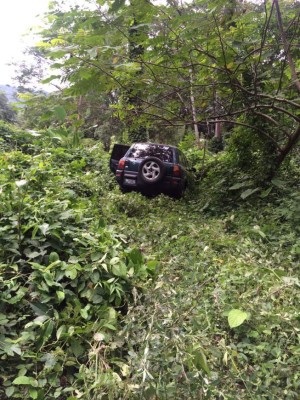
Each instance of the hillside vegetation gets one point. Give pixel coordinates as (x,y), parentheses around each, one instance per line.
(107,295)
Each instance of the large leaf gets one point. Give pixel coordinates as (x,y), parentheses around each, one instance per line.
(60,113)
(119,270)
(236,317)
(25,380)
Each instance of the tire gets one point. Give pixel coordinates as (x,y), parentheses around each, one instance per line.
(152,170)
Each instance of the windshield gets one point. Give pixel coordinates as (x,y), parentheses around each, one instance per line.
(164,153)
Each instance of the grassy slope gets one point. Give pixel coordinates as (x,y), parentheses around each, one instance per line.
(175,341)
(177,334)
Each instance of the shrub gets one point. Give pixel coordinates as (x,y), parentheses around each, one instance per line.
(64,275)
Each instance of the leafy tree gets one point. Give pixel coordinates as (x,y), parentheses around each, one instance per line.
(179,66)
(7,113)
(31,70)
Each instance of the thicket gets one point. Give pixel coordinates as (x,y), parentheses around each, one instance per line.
(65,274)
(113,296)
(221,320)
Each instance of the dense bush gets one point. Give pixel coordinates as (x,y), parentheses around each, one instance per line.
(112,296)
(65,275)
(221,319)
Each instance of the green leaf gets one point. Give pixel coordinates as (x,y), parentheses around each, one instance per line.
(96,256)
(136,256)
(53,257)
(45,334)
(84,311)
(248,193)
(117,4)
(51,78)
(25,380)
(110,326)
(152,265)
(62,329)
(200,360)
(60,113)
(236,317)
(44,228)
(278,183)
(3,319)
(19,296)
(114,260)
(266,192)
(257,229)
(9,391)
(33,254)
(119,270)
(77,348)
(49,279)
(239,185)
(16,349)
(60,295)
(40,309)
(71,273)
(33,393)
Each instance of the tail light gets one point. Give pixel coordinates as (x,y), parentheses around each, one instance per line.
(176,170)
(121,164)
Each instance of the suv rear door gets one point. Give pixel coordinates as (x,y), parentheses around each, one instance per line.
(118,151)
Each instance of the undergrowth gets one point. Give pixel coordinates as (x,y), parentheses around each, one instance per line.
(178,334)
(65,275)
(107,295)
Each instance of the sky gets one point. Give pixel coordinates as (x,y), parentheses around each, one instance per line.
(16,19)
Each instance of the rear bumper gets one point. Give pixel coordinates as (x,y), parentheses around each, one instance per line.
(130,179)
(124,176)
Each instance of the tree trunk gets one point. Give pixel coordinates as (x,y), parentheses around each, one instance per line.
(136,133)
(293,140)
(194,113)
(218,129)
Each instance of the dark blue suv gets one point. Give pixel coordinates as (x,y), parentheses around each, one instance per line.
(151,168)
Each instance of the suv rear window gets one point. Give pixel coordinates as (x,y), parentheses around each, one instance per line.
(164,153)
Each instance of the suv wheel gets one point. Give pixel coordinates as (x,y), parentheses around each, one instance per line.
(152,170)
